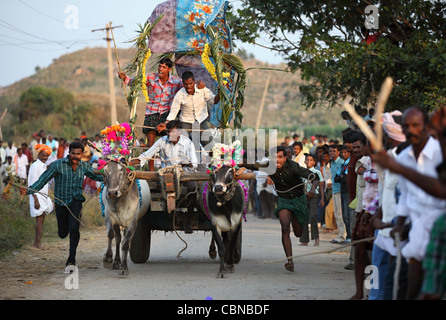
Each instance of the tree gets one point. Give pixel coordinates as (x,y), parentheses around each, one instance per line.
(38,101)
(327,40)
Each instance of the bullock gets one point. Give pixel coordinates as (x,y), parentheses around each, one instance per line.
(125,200)
(223,199)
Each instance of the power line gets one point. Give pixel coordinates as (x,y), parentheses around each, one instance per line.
(40,12)
(62,43)
(46,15)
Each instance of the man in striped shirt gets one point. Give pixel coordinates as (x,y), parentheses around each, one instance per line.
(68,174)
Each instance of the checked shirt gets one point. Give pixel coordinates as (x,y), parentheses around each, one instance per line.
(160,97)
(68,183)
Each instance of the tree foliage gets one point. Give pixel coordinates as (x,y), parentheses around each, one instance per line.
(338,57)
(38,101)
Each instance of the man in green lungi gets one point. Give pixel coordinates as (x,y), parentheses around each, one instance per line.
(292,207)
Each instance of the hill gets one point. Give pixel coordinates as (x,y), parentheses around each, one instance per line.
(84,74)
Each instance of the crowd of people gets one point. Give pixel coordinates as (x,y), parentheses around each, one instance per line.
(366,197)
(388,203)
(16,161)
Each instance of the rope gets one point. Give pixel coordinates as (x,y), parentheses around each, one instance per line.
(54,197)
(310,177)
(174,226)
(322,252)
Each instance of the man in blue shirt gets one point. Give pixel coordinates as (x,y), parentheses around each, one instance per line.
(336,164)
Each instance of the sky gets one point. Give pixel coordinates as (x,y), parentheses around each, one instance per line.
(34,33)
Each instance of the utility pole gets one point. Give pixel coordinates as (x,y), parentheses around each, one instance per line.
(107,28)
(262,104)
(1,119)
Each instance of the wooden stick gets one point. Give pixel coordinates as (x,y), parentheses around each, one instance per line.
(384,94)
(363,126)
(117,58)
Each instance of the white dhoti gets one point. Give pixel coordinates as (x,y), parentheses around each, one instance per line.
(419,234)
(46,204)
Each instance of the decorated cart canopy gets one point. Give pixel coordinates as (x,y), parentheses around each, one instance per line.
(196,37)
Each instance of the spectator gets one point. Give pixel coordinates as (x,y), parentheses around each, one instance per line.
(39,203)
(11,150)
(34,142)
(2,153)
(336,164)
(86,155)
(424,154)
(298,154)
(21,162)
(61,148)
(27,153)
(313,201)
(53,144)
(362,228)
(342,178)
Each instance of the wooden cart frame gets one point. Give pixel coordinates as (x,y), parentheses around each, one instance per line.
(163,215)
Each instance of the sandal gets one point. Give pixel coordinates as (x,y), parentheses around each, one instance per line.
(289,266)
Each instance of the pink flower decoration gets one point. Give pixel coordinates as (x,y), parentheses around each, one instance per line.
(101,164)
(111,136)
(128,129)
(124,152)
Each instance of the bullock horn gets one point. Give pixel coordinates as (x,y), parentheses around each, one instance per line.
(240,171)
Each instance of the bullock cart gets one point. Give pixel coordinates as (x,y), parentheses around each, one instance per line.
(168,207)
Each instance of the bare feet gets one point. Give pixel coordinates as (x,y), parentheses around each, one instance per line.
(316,242)
(289,266)
(304,244)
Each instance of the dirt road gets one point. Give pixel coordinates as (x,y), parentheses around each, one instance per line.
(39,274)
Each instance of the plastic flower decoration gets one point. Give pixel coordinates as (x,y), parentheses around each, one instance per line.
(225,155)
(116,139)
(143,84)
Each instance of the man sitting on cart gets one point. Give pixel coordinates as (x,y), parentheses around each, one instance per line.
(175,149)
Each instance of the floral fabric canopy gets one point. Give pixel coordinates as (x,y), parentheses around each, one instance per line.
(182,30)
(183,27)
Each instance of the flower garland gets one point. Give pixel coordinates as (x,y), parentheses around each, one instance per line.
(116,139)
(207,62)
(147,55)
(209,65)
(225,155)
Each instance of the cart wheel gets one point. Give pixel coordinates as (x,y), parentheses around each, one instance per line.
(140,247)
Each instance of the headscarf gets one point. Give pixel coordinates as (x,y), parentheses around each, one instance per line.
(393,129)
(43,147)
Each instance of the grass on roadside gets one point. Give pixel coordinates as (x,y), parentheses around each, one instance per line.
(17,227)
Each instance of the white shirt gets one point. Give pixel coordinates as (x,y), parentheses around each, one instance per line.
(22,163)
(2,154)
(11,152)
(183,152)
(193,107)
(413,200)
(422,208)
(262,177)
(300,159)
(46,205)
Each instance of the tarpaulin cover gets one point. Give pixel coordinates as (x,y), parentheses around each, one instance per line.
(183,30)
